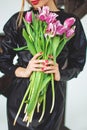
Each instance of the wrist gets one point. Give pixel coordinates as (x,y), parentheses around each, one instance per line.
(27,73)
(57,77)
(22,72)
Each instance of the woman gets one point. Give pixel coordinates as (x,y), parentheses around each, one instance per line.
(69,64)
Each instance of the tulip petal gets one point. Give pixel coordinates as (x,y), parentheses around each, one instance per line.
(69,22)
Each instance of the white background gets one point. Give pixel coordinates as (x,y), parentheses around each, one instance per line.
(7,9)
(76,104)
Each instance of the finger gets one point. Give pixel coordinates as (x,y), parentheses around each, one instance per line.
(39,66)
(39,61)
(49,68)
(49,72)
(37,70)
(50,62)
(37,55)
(36,63)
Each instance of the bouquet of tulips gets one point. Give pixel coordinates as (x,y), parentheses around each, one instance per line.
(43,32)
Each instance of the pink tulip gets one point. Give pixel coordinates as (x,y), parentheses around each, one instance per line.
(51,18)
(44,10)
(70,32)
(28,17)
(69,22)
(51,30)
(42,17)
(43,13)
(60,29)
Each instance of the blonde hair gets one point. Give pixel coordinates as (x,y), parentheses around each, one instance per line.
(20,16)
(54,2)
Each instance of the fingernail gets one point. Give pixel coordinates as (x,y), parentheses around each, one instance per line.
(42,69)
(46,61)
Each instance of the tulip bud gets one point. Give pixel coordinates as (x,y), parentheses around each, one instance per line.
(70,32)
(28,17)
(69,22)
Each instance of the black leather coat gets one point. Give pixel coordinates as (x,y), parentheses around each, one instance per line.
(71,62)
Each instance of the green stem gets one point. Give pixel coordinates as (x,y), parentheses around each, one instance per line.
(53,93)
(44,106)
(22,103)
(35,92)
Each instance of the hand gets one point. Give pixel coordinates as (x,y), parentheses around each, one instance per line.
(51,67)
(33,65)
(39,65)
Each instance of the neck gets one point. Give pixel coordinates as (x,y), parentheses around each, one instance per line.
(52,6)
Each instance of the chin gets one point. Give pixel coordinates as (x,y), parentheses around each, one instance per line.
(38,5)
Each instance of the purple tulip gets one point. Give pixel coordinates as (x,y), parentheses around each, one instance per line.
(42,16)
(70,32)
(46,15)
(51,18)
(43,13)
(60,29)
(69,22)
(28,17)
(44,10)
(51,30)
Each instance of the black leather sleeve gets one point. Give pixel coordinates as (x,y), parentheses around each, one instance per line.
(77,54)
(10,41)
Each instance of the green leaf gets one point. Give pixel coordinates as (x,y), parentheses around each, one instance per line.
(61,45)
(55,43)
(37,44)
(20,48)
(30,45)
(49,49)
(63,42)
(29,30)
(34,21)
